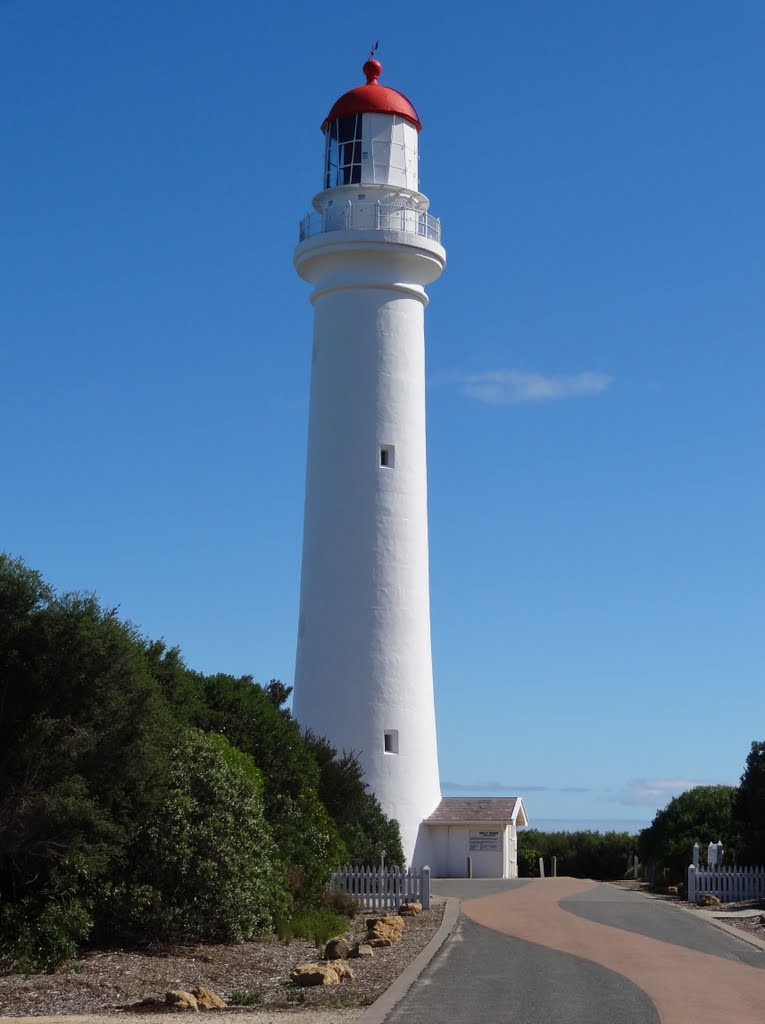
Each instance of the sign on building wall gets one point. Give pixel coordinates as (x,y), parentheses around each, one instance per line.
(485,840)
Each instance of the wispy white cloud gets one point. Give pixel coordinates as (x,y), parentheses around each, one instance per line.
(484,788)
(515,387)
(475,787)
(654,792)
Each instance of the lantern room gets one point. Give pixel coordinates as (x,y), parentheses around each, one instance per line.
(371,137)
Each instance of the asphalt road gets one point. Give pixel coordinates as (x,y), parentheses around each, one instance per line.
(483,977)
(635,912)
(472,888)
(548,959)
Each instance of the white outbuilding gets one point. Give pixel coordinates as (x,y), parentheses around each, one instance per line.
(476,836)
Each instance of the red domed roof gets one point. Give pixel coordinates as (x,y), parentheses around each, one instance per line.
(373,98)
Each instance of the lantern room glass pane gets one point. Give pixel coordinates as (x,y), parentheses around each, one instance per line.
(342,165)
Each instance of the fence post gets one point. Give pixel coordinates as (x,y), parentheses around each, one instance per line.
(425,888)
(695,855)
(692,881)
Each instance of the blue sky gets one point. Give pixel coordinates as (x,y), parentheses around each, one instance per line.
(595,356)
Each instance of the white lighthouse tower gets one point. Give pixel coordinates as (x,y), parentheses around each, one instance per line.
(363,676)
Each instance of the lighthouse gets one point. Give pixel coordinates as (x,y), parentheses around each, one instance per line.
(363,674)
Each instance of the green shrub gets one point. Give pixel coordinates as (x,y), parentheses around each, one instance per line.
(206,867)
(41,940)
(528,860)
(305,834)
(318,926)
(341,903)
(245,997)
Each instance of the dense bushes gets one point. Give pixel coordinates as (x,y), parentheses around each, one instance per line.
(84,758)
(599,855)
(206,866)
(700,815)
(748,809)
(306,835)
(368,835)
(141,801)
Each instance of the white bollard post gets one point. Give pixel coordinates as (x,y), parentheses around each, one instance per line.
(541,867)
(692,883)
(425,900)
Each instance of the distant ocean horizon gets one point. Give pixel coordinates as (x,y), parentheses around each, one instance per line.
(589,824)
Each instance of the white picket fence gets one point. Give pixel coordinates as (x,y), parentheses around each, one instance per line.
(383,888)
(729,885)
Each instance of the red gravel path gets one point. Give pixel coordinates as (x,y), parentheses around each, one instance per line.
(683,985)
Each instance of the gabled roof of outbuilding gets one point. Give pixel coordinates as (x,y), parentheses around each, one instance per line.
(464,810)
(373,98)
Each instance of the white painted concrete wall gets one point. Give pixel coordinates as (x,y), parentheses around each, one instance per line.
(450,849)
(363,658)
(363,663)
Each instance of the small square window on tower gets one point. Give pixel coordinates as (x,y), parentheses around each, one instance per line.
(391,741)
(387,455)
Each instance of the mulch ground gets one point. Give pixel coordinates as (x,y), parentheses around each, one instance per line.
(107,981)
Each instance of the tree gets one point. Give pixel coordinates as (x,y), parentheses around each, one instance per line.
(584,854)
(84,759)
(305,834)
(279,694)
(366,831)
(700,815)
(749,807)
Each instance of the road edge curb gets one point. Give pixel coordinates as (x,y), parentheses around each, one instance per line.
(382,1006)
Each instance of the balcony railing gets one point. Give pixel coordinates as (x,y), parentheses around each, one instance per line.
(357,215)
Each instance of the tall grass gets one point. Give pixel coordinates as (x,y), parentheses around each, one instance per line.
(318,926)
